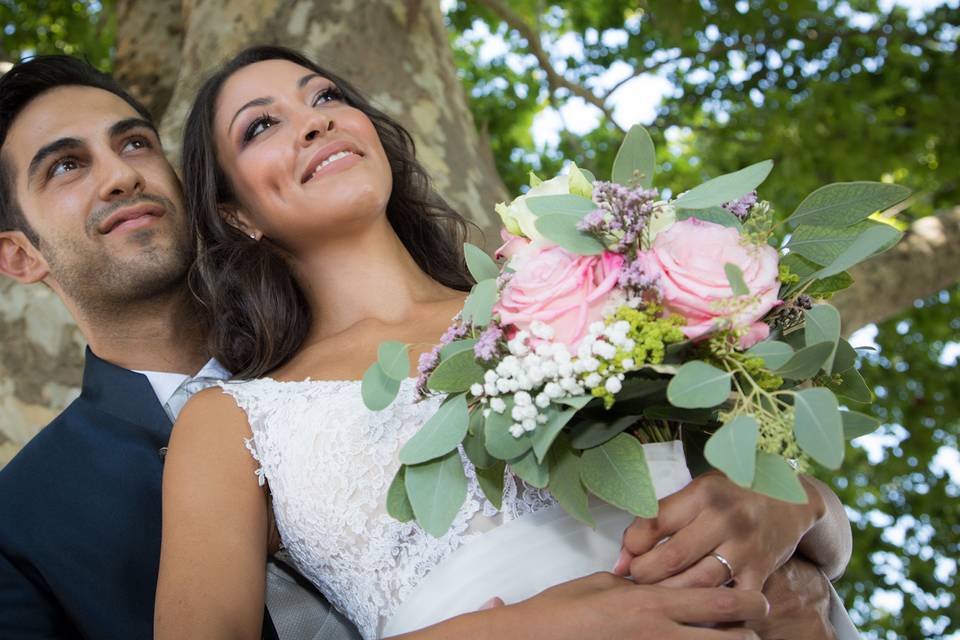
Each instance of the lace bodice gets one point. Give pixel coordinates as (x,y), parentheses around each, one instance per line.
(328,462)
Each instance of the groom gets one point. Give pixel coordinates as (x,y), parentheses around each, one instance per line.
(90,208)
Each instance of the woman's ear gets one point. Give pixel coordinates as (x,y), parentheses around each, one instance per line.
(241,221)
(20,260)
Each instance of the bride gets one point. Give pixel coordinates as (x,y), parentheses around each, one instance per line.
(320,238)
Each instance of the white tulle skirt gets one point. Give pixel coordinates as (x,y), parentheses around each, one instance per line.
(525,556)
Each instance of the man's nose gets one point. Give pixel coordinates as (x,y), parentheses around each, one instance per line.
(120,179)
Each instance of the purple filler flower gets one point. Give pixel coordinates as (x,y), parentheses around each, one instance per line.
(488,343)
(741,206)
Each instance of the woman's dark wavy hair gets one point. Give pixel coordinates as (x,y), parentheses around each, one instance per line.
(257,313)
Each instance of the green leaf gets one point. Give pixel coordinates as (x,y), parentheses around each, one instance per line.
(735,277)
(531,470)
(478,307)
(806,362)
(499,441)
(562,229)
(565,484)
(491,483)
(869,243)
(579,184)
(436,490)
(856,424)
(394,359)
(851,386)
(823,245)
(456,373)
(544,435)
(474,445)
(590,431)
(716,215)
(731,186)
(822,324)
(733,449)
(636,159)
(398,505)
(481,266)
(617,472)
(845,357)
(456,347)
(568,205)
(690,416)
(818,426)
(844,203)
(777,479)
(831,284)
(440,434)
(577,402)
(698,385)
(377,389)
(775,354)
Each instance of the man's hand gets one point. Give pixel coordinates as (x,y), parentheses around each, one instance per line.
(799,598)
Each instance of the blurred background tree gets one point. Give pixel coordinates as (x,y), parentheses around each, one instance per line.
(830,90)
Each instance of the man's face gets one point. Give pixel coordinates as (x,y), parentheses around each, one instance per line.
(93,183)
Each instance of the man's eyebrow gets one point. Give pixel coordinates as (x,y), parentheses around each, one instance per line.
(47,150)
(121,127)
(256,102)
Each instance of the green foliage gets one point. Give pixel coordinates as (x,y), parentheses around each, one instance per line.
(85,28)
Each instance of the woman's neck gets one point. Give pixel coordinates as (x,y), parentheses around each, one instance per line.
(362,277)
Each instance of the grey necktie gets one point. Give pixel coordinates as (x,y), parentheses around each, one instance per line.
(187,388)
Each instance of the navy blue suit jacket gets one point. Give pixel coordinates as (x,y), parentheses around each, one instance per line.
(80,516)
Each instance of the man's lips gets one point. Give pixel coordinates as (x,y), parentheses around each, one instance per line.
(324,153)
(129,215)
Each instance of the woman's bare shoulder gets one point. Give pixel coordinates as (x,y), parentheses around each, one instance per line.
(210,420)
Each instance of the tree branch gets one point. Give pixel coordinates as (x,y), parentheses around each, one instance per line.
(554,80)
(926,261)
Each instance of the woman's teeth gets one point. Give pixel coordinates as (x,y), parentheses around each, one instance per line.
(333,158)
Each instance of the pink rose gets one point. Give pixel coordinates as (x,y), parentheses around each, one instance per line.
(689,258)
(511,244)
(560,288)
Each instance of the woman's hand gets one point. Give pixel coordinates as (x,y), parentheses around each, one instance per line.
(754,533)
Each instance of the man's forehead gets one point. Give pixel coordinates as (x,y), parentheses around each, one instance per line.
(66,112)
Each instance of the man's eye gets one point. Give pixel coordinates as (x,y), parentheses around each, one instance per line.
(136,143)
(64,166)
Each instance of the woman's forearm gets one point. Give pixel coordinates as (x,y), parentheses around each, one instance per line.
(829,543)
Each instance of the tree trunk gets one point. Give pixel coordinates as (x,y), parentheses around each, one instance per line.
(398,53)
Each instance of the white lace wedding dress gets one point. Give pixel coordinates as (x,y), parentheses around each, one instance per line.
(329,462)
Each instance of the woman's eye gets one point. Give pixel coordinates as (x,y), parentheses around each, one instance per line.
(257,127)
(64,166)
(329,94)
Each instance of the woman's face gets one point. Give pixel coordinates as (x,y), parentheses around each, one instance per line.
(304,164)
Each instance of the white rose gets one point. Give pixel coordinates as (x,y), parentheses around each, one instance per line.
(517,217)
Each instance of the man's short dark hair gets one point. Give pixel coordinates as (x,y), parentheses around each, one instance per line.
(25,81)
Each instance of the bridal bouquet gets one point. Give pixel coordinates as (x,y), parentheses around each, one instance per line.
(616,316)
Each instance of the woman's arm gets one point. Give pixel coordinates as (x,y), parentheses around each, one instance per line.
(215,527)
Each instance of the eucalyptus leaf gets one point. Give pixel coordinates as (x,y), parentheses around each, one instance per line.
(577,402)
(568,205)
(829,285)
(456,373)
(845,357)
(774,353)
(636,159)
(562,229)
(591,431)
(398,505)
(499,441)
(869,243)
(544,435)
(733,449)
(474,444)
(735,277)
(456,347)
(481,266)
(394,359)
(844,203)
(777,479)
(436,491)
(823,245)
(822,324)
(856,424)
(491,483)
(725,188)
(439,435)
(377,389)
(698,385)
(806,362)
(851,386)
(531,470)
(617,473)
(478,307)
(818,426)
(565,484)
(716,215)
(699,417)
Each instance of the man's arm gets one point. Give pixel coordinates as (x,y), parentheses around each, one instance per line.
(27,611)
